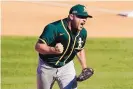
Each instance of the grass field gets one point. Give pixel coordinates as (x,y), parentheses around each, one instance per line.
(111,58)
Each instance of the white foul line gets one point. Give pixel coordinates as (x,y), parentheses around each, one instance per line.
(58,4)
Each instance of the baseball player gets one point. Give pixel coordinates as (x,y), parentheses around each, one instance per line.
(57,46)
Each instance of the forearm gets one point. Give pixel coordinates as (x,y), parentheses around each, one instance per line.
(45,49)
(82,58)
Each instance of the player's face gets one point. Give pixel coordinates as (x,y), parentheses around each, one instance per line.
(78,22)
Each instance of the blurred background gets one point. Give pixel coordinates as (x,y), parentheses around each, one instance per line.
(29,18)
(109,47)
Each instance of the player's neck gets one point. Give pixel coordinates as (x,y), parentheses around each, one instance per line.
(69,24)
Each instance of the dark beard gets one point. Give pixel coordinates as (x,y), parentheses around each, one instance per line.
(74,31)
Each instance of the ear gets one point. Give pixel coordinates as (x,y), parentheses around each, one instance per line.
(71,16)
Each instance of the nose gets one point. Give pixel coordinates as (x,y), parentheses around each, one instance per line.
(84,20)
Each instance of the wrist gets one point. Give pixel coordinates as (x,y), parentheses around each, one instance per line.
(52,50)
(83,67)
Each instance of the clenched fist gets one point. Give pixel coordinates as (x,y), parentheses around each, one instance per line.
(59,47)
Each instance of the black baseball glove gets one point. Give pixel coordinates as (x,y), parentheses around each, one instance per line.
(85,74)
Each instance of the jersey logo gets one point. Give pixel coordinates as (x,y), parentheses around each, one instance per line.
(79,43)
(61,34)
(85,10)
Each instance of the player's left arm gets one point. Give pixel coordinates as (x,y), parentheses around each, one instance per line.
(82,58)
(86,71)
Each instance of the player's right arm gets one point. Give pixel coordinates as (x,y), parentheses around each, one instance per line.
(45,49)
(46,38)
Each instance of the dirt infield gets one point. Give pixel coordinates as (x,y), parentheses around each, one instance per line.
(29,18)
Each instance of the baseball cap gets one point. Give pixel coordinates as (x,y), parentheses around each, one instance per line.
(79,10)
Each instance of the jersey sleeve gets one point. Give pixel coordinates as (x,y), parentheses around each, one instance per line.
(48,35)
(84,35)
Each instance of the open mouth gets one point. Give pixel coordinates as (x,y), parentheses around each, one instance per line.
(82,24)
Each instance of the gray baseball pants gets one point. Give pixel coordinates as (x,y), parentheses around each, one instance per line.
(65,76)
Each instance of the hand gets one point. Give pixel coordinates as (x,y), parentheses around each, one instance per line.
(59,47)
(85,74)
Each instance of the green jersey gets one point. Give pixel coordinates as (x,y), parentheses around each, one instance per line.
(73,41)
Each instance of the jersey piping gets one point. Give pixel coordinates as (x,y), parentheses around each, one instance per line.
(43,40)
(67,45)
(72,48)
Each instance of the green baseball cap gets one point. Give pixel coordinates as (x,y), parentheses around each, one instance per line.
(79,10)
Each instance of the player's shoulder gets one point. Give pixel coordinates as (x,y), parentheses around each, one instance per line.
(51,26)
(54,25)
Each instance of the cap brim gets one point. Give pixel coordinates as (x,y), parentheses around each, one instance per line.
(84,15)
(89,16)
